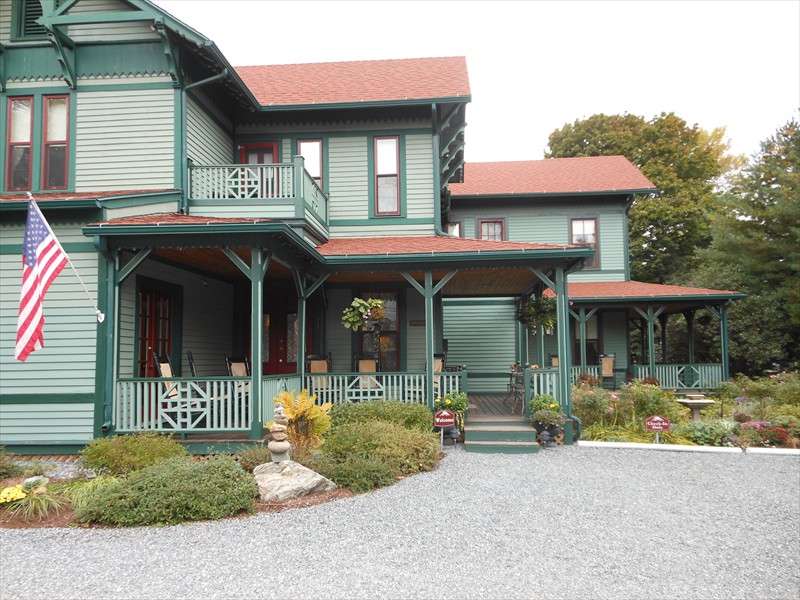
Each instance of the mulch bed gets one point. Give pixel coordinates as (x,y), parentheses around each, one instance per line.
(64,517)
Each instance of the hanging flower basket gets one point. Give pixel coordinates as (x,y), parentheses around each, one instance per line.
(535,311)
(363,314)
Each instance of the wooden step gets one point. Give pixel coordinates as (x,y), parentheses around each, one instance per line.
(489,447)
(512,432)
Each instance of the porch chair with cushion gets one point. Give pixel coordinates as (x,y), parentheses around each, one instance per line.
(369,385)
(607,370)
(175,411)
(192,366)
(315,364)
(238,366)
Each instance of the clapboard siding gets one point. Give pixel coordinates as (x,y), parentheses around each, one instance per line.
(208,143)
(349,178)
(107,31)
(415,334)
(46,423)
(380,231)
(615,337)
(550,224)
(339,338)
(5,21)
(206,325)
(419,178)
(125,140)
(66,364)
(482,335)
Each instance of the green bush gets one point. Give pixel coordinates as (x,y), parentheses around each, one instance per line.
(592,404)
(541,402)
(172,491)
(638,401)
(709,433)
(8,468)
(411,416)
(254,455)
(773,395)
(123,454)
(357,473)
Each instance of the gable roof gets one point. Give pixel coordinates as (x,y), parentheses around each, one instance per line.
(593,174)
(358,82)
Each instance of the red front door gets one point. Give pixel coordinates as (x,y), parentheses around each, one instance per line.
(155,319)
(280,330)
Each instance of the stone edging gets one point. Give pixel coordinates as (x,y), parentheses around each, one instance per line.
(681,448)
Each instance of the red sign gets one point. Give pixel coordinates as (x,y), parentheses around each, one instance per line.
(444,418)
(657,423)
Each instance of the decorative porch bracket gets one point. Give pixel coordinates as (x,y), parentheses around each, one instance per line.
(583,317)
(650,317)
(169,52)
(303,294)
(132,264)
(428,291)
(255,272)
(65,54)
(722,315)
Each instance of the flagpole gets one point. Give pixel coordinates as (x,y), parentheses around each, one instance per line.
(100,316)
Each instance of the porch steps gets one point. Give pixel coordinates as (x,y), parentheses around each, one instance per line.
(500,435)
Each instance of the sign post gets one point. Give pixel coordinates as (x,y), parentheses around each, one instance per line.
(657,424)
(442,419)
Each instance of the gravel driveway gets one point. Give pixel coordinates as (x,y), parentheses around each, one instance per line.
(565,523)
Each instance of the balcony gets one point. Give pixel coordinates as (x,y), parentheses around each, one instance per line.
(281,191)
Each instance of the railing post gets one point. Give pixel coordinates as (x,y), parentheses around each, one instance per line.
(298,164)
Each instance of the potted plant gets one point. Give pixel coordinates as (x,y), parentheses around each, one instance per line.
(546,414)
(535,311)
(365,314)
(456,402)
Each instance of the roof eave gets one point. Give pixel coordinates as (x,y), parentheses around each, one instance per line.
(519,195)
(366,103)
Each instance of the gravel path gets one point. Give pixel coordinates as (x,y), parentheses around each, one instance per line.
(565,523)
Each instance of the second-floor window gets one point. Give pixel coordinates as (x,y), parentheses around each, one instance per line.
(387,175)
(311,151)
(51,166)
(454,228)
(584,231)
(491,229)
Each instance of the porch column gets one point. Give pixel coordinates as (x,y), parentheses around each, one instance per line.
(428,291)
(583,318)
(259,262)
(303,294)
(650,316)
(540,345)
(105,375)
(662,320)
(689,316)
(564,363)
(722,315)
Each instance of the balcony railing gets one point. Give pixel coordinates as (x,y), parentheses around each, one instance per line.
(277,191)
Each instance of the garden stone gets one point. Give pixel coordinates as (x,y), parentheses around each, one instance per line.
(288,479)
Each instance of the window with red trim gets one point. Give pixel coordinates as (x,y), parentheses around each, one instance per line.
(387,175)
(19,150)
(491,229)
(55,142)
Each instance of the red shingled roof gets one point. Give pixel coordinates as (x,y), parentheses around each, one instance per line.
(379,246)
(174,219)
(551,176)
(358,81)
(48,196)
(633,289)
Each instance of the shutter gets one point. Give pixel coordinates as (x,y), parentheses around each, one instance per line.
(32,10)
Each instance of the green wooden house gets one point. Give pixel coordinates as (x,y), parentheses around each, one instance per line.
(220,213)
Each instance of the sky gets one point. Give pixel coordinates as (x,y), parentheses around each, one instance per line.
(535,66)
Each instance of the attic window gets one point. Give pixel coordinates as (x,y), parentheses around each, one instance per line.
(28,11)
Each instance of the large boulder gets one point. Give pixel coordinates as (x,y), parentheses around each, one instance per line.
(288,479)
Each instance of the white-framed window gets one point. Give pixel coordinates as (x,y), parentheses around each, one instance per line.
(387,175)
(311,151)
(584,231)
(491,229)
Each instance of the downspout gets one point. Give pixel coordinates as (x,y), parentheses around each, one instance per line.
(184,136)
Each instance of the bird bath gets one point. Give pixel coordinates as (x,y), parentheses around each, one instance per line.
(696,404)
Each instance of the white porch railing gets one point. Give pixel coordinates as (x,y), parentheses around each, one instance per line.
(682,376)
(182,405)
(257,182)
(576,372)
(339,388)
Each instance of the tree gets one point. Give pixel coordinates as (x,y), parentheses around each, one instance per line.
(756,250)
(684,162)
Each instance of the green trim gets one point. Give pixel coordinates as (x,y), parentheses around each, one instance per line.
(69,247)
(180,137)
(373,221)
(124,87)
(524,195)
(37,448)
(76,398)
(687,297)
(22,205)
(102,342)
(368,104)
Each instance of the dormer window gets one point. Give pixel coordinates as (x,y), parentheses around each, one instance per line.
(491,229)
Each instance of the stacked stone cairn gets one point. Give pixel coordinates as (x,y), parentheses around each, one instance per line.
(279,445)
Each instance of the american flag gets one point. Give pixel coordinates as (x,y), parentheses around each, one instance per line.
(43,258)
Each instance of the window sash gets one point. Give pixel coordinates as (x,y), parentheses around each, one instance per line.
(584,231)
(491,230)
(387,175)
(311,151)
(19,143)
(56,142)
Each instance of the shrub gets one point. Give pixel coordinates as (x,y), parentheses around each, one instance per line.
(126,453)
(639,400)
(592,404)
(410,416)
(541,402)
(8,468)
(172,491)
(709,433)
(358,473)
(589,380)
(772,395)
(78,490)
(254,455)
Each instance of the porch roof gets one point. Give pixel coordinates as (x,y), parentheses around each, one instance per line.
(552,176)
(429,246)
(19,200)
(359,83)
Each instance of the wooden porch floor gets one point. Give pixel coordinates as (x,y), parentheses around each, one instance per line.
(485,405)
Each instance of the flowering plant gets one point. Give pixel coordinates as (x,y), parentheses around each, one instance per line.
(545,410)
(363,314)
(456,402)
